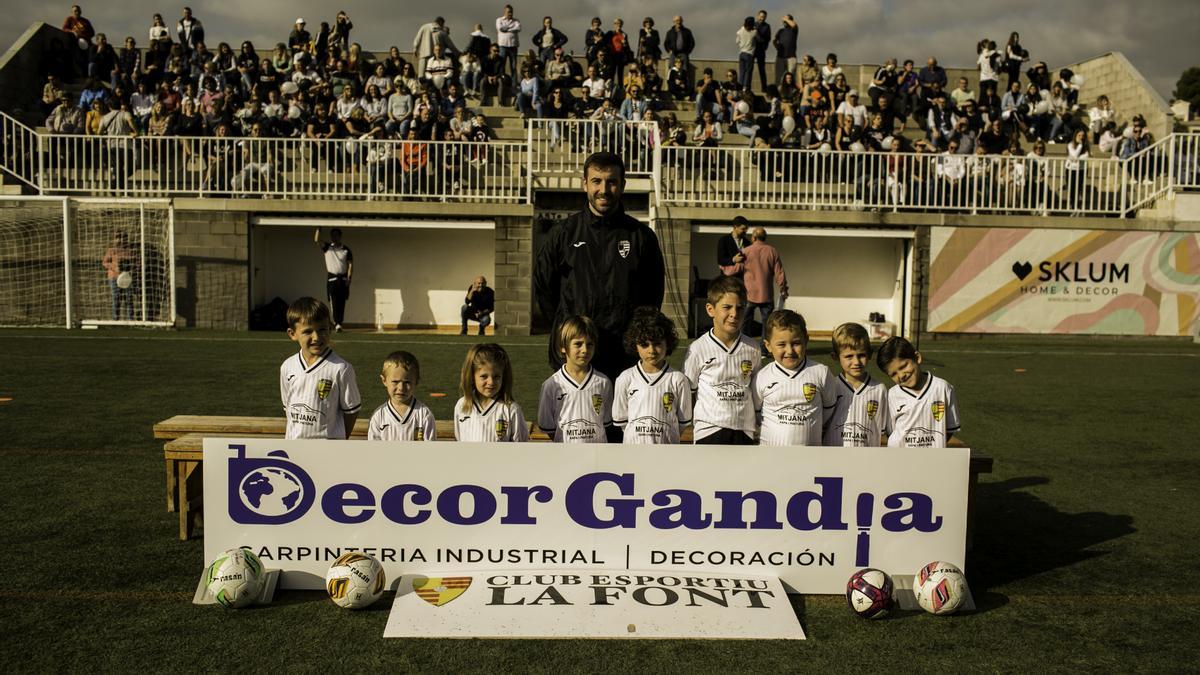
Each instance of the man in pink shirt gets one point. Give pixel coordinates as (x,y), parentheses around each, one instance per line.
(760,269)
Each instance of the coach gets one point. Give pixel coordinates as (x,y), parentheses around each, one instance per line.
(600,263)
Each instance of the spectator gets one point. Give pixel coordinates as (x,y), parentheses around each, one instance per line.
(991,63)
(1059,116)
(1100,115)
(102,64)
(1014,57)
(81,28)
(1074,169)
(634,107)
(558,71)
(620,53)
(548,40)
(707,132)
(762,40)
(961,94)
(1109,139)
(529,94)
(745,39)
(478,305)
(300,40)
(932,74)
(493,76)
(1066,79)
(677,80)
(989,104)
(129,65)
(730,250)
(807,72)
(596,87)
(281,61)
(508,33)
(190,31)
(993,140)
(743,120)
(679,43)
(141,103)
(479,44)
(439,68)
(65,118)
(95,115)
(785,47)
(1039,76)
(399,110)
(762,268)
(52,93)
(471,73)
(593,40)
(342,25)
(853,109)
(966,138)
(884,81)
(344,105)
(831,69)
(649,42)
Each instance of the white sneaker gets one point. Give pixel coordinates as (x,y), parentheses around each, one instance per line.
(337,328)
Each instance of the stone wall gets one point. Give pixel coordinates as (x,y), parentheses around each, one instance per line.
(1112,74)
(675,239)
(211,269)
(514,273)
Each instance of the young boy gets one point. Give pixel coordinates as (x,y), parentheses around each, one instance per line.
(922,407)
(402,417)
(792,396)
(576,401)
(319,390)
(651,401)
(860,412)
(719,365)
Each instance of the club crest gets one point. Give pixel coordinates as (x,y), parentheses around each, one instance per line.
(440,591)
(501,429)
(420,434)
(597,402)
(938,408)
(872,408)
(623,247)
(810,392)
(746,367)
(323,388)
(668,400)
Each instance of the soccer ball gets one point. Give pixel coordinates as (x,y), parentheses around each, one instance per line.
(940,588)
(869,593)
(235,578)
(355,580)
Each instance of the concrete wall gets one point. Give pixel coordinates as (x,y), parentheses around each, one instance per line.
(23,71)
(211,269)
(1130,94)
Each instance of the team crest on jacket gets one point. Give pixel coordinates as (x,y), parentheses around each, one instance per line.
(440,591)
(810,392)
(501,427)
(623,248)
(668,400)
(323,388)
(597,402)
(938,408)
(746,367)
(872,408)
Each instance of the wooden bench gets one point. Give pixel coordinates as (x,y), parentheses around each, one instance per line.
(184,455)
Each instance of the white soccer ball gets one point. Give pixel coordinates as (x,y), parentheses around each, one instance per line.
(743,107)
(355,580)
(235,578)
(940,588)
(124,280)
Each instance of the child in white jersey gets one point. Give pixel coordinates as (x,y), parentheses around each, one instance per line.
(402,417)
(318,388)
(922,407)
(652,401)
(487,412)
(576,401)
(794,395)
(860,410)
(719,365)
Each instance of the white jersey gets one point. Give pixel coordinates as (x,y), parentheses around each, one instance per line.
(652,407)
(859,415)
(922,419)
(315,397)
(337,258)
(793,404)
(573,412)
(415,425)
(499,423)
(720,378)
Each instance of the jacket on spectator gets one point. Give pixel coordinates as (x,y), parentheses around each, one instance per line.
(785,41)
(190,32)
(557,39)
(679,41)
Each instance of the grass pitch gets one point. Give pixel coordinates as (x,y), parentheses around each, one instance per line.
(1084,545)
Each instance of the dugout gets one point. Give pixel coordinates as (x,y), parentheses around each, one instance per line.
(834,274)
(407,273)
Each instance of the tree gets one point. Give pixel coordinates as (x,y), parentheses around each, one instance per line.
(1188,87)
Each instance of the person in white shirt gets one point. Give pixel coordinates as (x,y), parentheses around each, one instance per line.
(508,30)
(339,268)
(651,400)
(859,417)
(922,407)
(794,396)
(575,405)
(487,412)
(719,365)
(401,417)
(317,387)
(853,109)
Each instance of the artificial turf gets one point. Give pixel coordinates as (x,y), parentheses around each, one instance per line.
(1084,553)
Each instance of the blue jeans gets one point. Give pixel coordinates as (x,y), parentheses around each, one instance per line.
(468,314)
(745,70)
(509,54)
(121,296)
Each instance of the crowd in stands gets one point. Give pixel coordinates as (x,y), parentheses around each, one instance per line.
(320,84)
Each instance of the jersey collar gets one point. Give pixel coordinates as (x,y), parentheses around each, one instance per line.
(483,412)
(659,375)
(402,420)
(866,383)
(728,350)
(915,393)
(577,385)
(307,368)
(791,374)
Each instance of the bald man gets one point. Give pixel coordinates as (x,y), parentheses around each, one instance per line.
(478,305)
(762,266)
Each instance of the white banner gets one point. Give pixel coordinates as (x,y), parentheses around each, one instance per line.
(592,604)
(811,516)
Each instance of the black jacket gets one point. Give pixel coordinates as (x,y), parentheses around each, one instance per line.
(602,268)
(689,42)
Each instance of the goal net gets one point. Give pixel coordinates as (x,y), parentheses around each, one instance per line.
(72,262)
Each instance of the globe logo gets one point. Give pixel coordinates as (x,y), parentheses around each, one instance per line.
(271,492)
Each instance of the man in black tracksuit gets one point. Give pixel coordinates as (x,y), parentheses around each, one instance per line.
(600,263)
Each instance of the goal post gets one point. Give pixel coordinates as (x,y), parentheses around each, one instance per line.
(89,262)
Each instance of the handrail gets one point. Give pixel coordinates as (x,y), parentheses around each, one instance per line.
(22,153)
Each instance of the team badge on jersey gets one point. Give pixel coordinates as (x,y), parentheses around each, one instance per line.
(668,400)
(746,367)
(938,408)
(420,434)
(623,248)
(501,427)
(872,408)
(597,402)
(323,388)
(810,392)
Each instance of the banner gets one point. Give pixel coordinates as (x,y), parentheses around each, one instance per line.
(811,516)
(1003,280)
(592,604)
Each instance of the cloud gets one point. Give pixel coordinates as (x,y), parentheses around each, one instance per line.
(1158,36)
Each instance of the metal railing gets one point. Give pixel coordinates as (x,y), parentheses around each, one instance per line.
(561,146)
(156,166)
(20,155)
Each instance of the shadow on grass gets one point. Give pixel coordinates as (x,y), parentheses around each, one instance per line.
(1017,535)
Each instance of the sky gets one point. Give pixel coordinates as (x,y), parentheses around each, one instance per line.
(1158,36)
